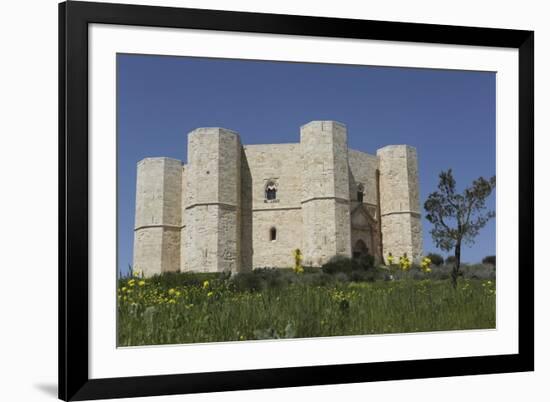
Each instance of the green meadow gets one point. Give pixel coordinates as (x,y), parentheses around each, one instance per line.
(276,303)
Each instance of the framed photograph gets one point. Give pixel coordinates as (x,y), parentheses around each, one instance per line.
(258,200)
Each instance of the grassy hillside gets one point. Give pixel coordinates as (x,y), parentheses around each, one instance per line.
(188,308)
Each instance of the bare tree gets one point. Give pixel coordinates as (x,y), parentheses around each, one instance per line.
(458,218)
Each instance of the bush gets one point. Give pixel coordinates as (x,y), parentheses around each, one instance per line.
(342,264)
(441,272)
(479,271)
(450,259)
(436,259)
(490,259)
(366,262)
(262,278)
(338,264)
(412,273)
(319,278)
(174,279)
(369,275)
(311,270)
(246,282)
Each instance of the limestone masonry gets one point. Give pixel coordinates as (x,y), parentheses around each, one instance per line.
(236,207)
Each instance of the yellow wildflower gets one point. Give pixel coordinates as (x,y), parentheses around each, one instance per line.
(404,262)
(425,264)
(209,294)
(171,291)
(298,268)
(205,284)
(141,283)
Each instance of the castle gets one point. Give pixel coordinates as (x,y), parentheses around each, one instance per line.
(236,207)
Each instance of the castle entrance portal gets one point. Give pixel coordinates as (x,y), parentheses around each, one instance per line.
(360,249)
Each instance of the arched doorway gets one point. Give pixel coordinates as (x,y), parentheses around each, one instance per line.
(360,249)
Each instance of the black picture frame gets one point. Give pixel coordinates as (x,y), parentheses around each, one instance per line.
(74,381)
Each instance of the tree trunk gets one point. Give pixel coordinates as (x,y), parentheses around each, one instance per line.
(456,267)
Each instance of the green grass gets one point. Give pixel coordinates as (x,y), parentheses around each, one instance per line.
(180,308)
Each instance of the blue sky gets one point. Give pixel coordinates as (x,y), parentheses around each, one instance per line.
(449,116)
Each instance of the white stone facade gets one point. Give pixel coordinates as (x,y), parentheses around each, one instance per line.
(236,208)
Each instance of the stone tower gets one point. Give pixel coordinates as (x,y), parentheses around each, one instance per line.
(212,201)
(158,216)
(399,201)
(325,192)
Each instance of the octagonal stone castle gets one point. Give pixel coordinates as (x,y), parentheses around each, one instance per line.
(235,207)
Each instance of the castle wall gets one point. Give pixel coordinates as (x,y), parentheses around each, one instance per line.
(158,216)
(325,194)
(281,163)
(399,201)
(183,232)
(363,168)
(213,215)
(277,163)
(276,253)
(212,210)
(246,215)
(148,250)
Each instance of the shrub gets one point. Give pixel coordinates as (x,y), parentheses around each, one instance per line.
(262,278)
(490,259)
(436,259)
(318,278)
(366,262)
(338,264)
(340,277)
(369,275)
(479,271)
(174,279)
(247,282)
(311,270)
(441,272)
(342,264)
(413,272)
(450,259)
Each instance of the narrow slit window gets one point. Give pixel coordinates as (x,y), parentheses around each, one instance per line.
(272,234)
(360,192)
